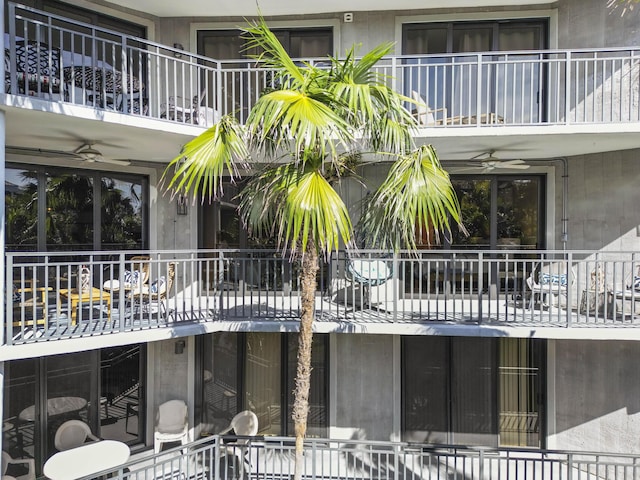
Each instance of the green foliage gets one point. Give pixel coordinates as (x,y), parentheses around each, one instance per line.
(311,116)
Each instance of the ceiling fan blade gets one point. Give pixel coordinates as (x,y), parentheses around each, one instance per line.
(113,161)
(512,162)
(39,152)
(516,166)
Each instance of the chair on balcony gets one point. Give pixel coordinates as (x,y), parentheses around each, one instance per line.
(135,276)
(172,424)
(550,280)
(37,70)
(181,110)
(145,296)
(425,115)
(72,434)
(18,468)
(233,460)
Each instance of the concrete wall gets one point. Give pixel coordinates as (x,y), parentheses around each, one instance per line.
(603,201)
(581,24)
(597,401)
(362,393)
(170,377)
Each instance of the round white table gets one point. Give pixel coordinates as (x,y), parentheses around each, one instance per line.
(55,406)
(86,460)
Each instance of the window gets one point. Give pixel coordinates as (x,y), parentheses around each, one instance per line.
(243,86)
(511,89)
(52,209)
(103,388)
(473,391)
(256,371)
(500,212)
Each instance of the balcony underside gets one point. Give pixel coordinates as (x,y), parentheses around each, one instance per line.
(29,125)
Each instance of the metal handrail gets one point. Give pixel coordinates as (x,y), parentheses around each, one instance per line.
(223,458)
(482,89)
(496,287)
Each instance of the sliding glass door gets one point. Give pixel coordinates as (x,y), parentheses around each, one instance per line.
(473,391)
(255,371)
(505,88)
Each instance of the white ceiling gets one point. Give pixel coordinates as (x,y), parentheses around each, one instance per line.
(156,141)
(224,8)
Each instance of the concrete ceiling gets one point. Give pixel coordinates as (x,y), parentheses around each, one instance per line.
(224,8)
(156,141)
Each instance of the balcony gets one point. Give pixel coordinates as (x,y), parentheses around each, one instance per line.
(82,295)
(272,457)
(66,63)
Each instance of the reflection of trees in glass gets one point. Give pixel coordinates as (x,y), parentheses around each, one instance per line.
(121,214)
(517,210)
(69,220)
(21,203)
(475,205)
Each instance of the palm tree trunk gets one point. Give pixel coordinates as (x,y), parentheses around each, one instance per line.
(303,373)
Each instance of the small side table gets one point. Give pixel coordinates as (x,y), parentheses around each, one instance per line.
(94,295)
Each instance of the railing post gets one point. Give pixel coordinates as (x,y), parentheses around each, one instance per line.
(9,301)
(396,281)
(568,267)
(481,465)
(567,87)
(125,80)
(396,463)
(121,293)
(479,89)
(480,284)
(570,466)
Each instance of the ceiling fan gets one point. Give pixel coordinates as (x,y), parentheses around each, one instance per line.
(490,162)
(84,152)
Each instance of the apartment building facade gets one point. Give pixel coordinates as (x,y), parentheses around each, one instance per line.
(522,333)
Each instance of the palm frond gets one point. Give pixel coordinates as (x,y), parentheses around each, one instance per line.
(270,51)
(299,206)
(204,161)
(416,195)
(284,116)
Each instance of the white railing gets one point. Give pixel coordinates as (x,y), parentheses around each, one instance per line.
(253,458)
(167,288)
(91,66)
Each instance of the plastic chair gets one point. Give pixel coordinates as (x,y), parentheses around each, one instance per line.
(244,424)
(172,424)
(26,464)
(72,434)
(233,460)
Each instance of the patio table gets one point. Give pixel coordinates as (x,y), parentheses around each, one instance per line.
(86,460)
(94,295)
(55,406)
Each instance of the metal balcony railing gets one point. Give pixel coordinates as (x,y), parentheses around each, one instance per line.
(225,458)
(54,57)
(65,294)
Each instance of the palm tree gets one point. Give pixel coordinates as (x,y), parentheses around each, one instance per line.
(313,124)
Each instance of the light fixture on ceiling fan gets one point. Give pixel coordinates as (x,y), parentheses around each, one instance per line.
(492,162)
(90,154)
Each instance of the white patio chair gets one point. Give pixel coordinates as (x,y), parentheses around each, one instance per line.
(233,461)
(26,466)
(550,279)
(72,434)
(172,424)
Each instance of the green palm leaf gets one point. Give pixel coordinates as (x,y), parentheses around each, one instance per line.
(205,160)
(417,194)
(299,206)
